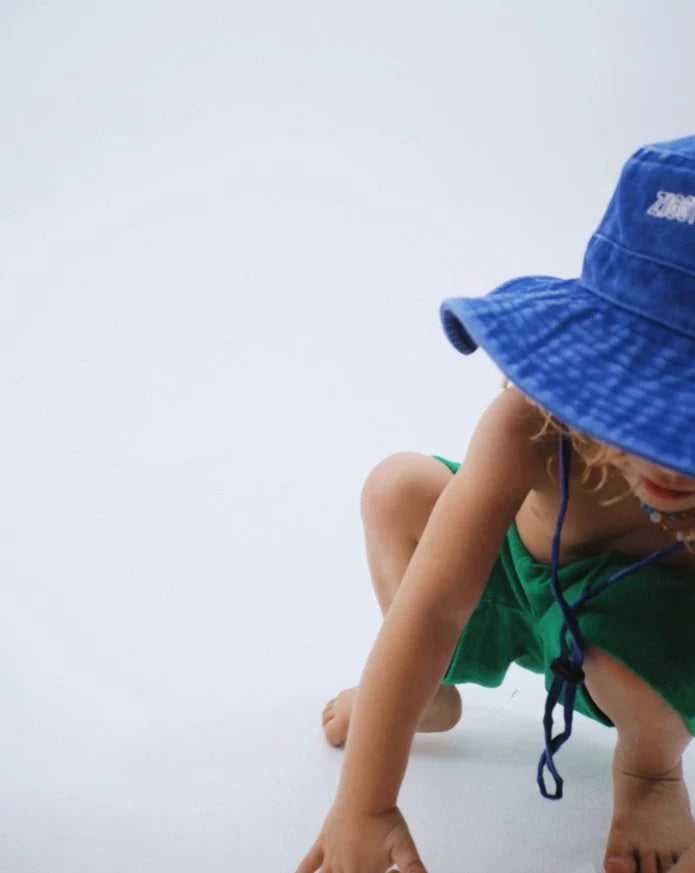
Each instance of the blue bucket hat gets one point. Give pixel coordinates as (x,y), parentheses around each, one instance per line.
(611,353)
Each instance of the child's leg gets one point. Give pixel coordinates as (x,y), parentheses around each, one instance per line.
(397,500)
(652,825)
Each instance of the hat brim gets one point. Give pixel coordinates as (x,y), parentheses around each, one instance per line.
(609,372)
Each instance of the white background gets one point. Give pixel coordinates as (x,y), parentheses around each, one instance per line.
(225,233)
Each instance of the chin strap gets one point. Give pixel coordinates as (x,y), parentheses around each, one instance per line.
(568,666)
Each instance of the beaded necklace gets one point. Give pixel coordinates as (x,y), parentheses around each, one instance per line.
(656,516)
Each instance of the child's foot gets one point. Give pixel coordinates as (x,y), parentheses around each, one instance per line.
(652,825)
(441,715)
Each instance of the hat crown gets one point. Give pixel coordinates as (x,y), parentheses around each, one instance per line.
(653,209)
(642,255)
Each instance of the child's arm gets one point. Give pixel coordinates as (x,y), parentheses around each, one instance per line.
(438,594)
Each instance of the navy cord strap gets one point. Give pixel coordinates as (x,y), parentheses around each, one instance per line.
(568,666)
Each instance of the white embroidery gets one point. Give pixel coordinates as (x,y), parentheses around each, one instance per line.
(673,207)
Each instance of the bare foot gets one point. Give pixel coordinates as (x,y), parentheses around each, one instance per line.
(652,825)
(441,715)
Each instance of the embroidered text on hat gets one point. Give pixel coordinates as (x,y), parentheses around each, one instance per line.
(673,207)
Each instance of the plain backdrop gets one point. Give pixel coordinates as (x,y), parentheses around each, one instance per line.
(225,231)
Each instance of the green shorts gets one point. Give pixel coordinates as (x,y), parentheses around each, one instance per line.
(645,620)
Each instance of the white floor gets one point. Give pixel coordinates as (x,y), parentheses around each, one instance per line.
(226,232)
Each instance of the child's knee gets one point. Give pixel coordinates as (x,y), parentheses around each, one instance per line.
(402,486)
(633,705)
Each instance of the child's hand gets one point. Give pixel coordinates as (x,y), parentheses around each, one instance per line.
(352,842)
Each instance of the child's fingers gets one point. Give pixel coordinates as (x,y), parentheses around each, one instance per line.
(404,854)
(312,860)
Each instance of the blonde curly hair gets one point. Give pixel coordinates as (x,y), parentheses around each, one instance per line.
(595,455)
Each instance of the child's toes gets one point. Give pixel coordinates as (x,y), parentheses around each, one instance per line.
(620,859)
(336,716)
(336,731)
(649,863)
(665,863)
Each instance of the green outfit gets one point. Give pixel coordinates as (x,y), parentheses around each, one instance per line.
(639,621)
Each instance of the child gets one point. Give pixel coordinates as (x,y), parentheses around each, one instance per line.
(475,568)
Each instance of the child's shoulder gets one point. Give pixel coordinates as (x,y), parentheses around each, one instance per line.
(517,413)
(508,454)
(515,425)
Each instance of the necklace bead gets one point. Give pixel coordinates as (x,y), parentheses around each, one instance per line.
(657,517)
